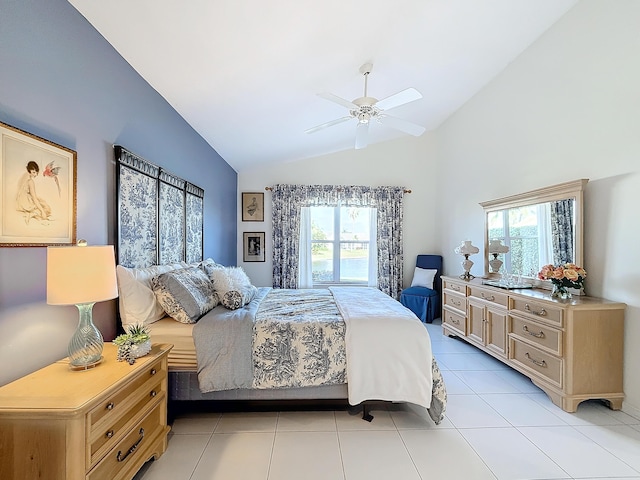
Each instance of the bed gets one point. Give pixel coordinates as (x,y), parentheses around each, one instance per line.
(235,341)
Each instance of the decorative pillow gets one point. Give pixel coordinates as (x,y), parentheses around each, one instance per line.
(233,286)
(234,299)
(423,277)
(186,294)
(208,265)
(138,303)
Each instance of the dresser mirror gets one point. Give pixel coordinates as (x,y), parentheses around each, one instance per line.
(539,227)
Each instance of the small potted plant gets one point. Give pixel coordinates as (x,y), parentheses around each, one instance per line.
(134,343)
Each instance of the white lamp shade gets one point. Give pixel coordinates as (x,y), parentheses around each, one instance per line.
(81,274)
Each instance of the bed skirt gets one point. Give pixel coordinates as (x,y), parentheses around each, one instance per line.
(185,386)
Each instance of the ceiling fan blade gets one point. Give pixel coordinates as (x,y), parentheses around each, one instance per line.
(362,135)
(402,125)
(400,98)
(328,124)
(339,100)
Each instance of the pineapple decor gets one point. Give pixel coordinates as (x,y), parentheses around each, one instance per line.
(136,342)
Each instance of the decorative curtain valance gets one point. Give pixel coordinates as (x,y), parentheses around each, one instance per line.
(287,203)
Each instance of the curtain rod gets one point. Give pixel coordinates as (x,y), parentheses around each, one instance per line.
(271,188)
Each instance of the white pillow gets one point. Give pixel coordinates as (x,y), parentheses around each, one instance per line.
(233,286)
(138,303)
(423,277)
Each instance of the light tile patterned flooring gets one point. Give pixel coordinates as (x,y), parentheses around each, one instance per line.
(498,426)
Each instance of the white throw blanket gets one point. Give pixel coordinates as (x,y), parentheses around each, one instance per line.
(388,349)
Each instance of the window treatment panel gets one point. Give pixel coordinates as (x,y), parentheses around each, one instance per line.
(562,231)
(288,201)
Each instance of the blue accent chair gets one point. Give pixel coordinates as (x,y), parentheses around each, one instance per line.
(423,301)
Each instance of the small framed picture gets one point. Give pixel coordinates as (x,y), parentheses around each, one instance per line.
(252,207)
(253,247)
(37,190)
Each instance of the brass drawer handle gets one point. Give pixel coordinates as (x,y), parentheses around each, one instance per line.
(110,406)
(109,434)
(492,299)
(541,313)
(533,334)
(153,371)
(153,393)
(133,448)
(540,363)
(455,287)
(454,303)
(454,320)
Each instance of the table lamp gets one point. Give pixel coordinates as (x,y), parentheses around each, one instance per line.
(495,249)
(465,249)
(82,275)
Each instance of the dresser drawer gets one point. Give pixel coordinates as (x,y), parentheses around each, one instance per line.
(489,295)
(544,312)
(530,331)
(454,286)
(457,302)
(104,435)
(116,405)
(536,361)
(455,321)
(131,448)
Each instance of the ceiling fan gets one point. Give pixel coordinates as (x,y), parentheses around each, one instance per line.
(365,109)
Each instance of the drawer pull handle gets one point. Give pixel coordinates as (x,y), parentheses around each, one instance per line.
(491,299)
(110,406)
(153,371)
(453,302)
(153,393)
(541,313)
(533,334)
(455,287)
(454,320)
(109,434)
(133,448)
(540,363)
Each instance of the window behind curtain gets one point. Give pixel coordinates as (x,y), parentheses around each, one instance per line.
(340,243)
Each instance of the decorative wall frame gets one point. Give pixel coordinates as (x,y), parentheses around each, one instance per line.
(253,247)
(252,207)
(160,217)
(37,190)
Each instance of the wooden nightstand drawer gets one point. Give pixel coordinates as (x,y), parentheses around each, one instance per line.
(544,312)
(116,405)
(454,286)
(488,295)
(530,331)
(104,435)
(136,444)
(536,361)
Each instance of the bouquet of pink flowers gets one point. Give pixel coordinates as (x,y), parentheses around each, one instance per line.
(568,275)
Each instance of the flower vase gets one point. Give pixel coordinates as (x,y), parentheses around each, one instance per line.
(560,292)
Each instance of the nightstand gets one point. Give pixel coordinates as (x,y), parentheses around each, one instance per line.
(99,424)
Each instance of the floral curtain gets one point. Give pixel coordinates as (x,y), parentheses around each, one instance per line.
(562,231)
(288,201)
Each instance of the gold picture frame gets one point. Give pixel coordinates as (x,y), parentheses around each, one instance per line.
(37,190)
(252,207)
(253,247)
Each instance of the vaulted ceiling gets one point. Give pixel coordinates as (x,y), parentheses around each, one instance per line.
(246,74)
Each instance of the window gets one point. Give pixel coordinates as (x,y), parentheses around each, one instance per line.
(340,244)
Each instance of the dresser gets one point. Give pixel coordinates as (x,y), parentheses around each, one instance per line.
(571,349)
(99,424)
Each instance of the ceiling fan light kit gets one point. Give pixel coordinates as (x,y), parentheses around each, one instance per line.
(365,109)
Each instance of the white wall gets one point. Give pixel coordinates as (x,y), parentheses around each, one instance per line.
(567,108)
(413,166)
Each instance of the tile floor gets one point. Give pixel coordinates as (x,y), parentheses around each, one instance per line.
(498,426)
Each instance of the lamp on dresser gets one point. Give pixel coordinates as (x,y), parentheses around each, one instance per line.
(495,249)
(465,249)
(82,275)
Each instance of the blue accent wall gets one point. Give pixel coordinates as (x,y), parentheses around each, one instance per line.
(61,80)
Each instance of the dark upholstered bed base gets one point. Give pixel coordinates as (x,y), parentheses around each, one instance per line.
(184,386)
